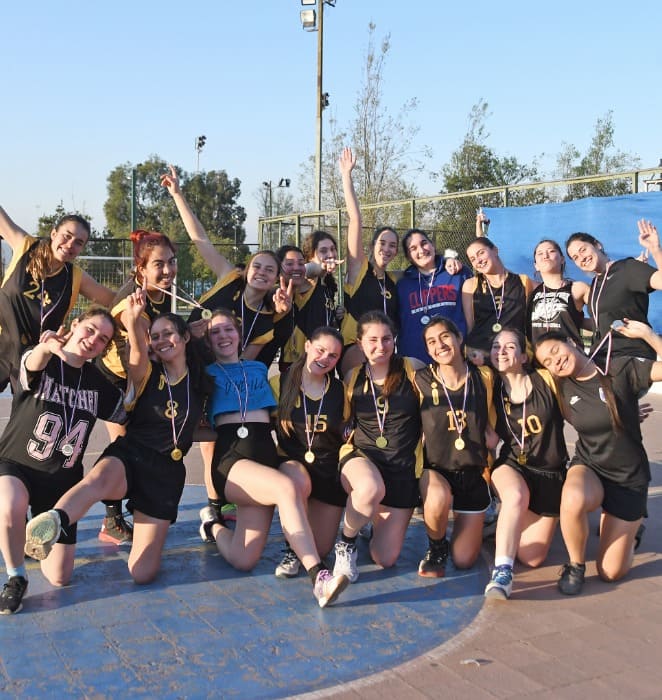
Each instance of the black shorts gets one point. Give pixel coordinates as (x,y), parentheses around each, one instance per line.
(45,489)
(400,492)
(544,486)
(471,493)
(229,448)
(324,478)
(155,482)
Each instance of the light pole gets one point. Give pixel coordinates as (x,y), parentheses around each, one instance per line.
(311,22)
(269,186)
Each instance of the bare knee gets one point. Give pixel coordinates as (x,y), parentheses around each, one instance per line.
(610,574)
(58,578)
(142,574)
(464,560)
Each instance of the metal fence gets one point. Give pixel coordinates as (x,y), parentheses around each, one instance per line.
(449,219)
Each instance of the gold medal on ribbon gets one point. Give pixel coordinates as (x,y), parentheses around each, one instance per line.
(309,456)
(521,458)
(496,327)
(459,444)
(206,314)
(176,454)
(381,442)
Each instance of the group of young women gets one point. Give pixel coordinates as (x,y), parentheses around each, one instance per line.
(437,374)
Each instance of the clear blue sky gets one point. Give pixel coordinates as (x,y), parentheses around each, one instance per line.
(87,86)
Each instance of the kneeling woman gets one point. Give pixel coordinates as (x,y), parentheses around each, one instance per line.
(379,463)
(455,401)
(245,466)
(531,465)
(309,428)
(59,396)
(610,469)
(146,464)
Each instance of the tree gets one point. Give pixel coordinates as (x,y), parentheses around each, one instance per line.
(475,166)
(382,143)
(601,157)
(213,197)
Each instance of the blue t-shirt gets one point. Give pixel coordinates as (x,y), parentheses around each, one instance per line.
(421,295)
(239,386)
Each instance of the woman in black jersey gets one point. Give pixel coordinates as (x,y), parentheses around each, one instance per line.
(155,260)
(309,428)
(557,303)
(41,285)
(58,397)
(246,466)
(146,465)
(610,468)
(494,299)
(619,289)
(531,466)
(368,284)
(381,460)
(455,400)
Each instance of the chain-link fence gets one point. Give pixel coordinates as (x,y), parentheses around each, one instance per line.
(449,219)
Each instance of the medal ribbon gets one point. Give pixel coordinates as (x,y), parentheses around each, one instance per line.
(310,434)
(499,311)
(43,316)
(243,408)
(175,433)
(69,421)
(439,377)
(520,443)
(245,339)
(381,416)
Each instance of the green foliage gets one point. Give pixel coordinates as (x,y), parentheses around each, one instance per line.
(601,157)
(212,196)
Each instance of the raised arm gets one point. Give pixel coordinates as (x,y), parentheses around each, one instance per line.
(50,343)
(650,241)
(355,252)
(637,329)
(11,233)
(137,337)
(217,262)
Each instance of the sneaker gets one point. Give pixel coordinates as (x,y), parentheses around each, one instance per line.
(41,533)
(433,564)
(116,530)
(12,595)
(208,517)
(571,580)
(366,532)
(289,565)
(328,587)
(346,561)
(501,585)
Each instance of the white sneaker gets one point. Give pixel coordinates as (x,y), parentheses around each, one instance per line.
(289,565)
(346,555)
(328,587)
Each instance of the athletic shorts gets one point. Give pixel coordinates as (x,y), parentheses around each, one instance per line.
(155,482)
(629,504)
(257,446)
(471,493)
(544,486)
(324,478)
(45,489)
(400,492)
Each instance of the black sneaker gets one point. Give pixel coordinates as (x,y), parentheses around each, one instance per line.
(571,580)
(433,564)
(116,530)
(12,595)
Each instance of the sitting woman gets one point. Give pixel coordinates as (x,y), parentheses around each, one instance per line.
(245,466)
(58,398)
(145,465)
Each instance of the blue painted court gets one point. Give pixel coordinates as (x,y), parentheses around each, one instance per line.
(203,629)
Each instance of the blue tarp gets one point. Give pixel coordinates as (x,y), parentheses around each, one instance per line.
(612,220)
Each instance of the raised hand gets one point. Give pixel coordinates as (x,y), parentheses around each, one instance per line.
(171,181)
(283,296)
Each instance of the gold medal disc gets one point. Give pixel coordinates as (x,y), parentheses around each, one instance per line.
(381,442)
(497,327)
(309,456)
(177,454)
(206,314)
(521,458)
(459,444)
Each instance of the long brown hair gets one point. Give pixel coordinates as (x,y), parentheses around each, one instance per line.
(291,381)
(396,364)
(42,257)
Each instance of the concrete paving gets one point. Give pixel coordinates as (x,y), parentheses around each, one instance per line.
(204,630)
